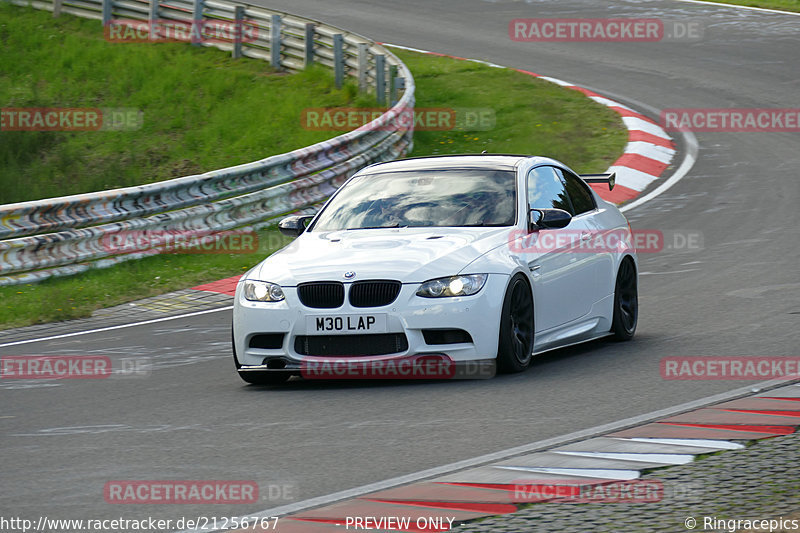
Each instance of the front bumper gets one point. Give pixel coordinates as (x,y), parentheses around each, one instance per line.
(427,366)
(409,315)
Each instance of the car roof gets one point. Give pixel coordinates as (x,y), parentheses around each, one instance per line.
(482,161)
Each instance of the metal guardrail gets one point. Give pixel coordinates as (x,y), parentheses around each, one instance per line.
(70,234)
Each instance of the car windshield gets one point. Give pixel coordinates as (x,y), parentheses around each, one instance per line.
(427,198)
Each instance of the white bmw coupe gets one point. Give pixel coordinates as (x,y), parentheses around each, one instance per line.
(465,260)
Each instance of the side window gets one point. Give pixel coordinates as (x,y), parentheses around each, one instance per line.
(546,190)
(581,198)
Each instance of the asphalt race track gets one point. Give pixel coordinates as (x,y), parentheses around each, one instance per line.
(192,417)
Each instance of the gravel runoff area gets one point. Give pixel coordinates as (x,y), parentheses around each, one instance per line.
(758,482)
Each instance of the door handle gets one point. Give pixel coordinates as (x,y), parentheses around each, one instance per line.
(585,236)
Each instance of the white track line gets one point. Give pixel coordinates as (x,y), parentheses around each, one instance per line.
(688,162)
(666,458)
(631,178)
(695,443)
(121,326)
(609,102)
(662,154)
(721,4)
(647,126)
(592,473)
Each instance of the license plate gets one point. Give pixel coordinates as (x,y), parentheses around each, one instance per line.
(346,324)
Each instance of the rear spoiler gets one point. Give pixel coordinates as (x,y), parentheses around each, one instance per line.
(609,178)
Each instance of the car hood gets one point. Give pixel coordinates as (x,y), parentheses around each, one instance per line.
(410,255)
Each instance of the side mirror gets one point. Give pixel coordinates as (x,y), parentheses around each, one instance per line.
(548,219)
(294,225)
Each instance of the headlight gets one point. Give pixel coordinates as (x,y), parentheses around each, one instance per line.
(262,291)
(452,286)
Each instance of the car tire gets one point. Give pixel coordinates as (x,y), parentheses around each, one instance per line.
(516,328)
(626,301)
(257,378)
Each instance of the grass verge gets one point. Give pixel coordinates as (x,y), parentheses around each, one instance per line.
(531,116)
(201,109)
